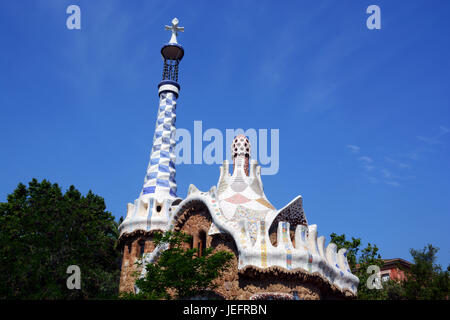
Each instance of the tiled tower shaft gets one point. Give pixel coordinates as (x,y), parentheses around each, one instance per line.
(160,178)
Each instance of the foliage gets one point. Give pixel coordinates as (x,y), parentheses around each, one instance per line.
(359,262)
(426,280)
(179,272)
(43,231)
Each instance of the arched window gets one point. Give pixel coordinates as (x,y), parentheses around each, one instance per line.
(141,248)
(201,245)
(191,243)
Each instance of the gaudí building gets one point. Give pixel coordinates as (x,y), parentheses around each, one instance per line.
(277,253)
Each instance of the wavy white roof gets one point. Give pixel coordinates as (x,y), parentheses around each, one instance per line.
(239,207)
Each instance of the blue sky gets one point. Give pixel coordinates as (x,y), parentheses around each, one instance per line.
(363,114)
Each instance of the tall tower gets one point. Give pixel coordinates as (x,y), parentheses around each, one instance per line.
(152,210)
(159,182)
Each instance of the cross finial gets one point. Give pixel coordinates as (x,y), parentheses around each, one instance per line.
(174,28)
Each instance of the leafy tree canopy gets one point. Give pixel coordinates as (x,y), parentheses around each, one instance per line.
(359,260)
(180,272)
(43,231)
(425,280)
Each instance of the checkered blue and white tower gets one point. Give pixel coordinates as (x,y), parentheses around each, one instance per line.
(160,179)
(152,209)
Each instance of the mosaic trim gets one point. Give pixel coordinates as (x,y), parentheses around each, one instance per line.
(161,169)
(263,244)
(286,234)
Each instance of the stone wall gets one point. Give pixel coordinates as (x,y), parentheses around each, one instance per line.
(131,252)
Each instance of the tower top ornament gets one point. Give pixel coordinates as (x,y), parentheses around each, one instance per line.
(174,28)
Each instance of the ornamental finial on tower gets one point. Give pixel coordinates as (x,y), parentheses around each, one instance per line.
(174,28)
(240,146)
(172,53)
(240,152)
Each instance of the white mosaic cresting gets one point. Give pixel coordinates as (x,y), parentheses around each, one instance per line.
(237,205)
(244,212)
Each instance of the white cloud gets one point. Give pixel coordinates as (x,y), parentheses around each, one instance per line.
(430,141)
(398,163)
(444,130)
(393,183)
(435,140)
(353,148)
(365,159)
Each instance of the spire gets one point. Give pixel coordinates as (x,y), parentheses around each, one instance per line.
(160,181)
(152,210)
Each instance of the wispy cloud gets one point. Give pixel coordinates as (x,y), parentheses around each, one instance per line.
(366,163)
(394,169)
(353,148)
(426,145)
(397,163)
(274,63)
(435,140)
(365,159)
(393,183)
(444,130)
(386,173)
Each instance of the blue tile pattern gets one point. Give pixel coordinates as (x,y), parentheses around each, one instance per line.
(160,176)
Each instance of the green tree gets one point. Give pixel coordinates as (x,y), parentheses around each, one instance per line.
(359,261)
(43,231)
(425,280)
(180,272)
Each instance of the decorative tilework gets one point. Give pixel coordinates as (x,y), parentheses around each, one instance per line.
(285,231)
(292,213)
(265,203)
(245,214)
(222,186)
(254,185)
(239,185)
(263,244)
(310,261)
(252,217)
(161,169)
(237,199)
(150,210)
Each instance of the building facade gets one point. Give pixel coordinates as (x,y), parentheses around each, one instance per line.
(394,269)
(277,254)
